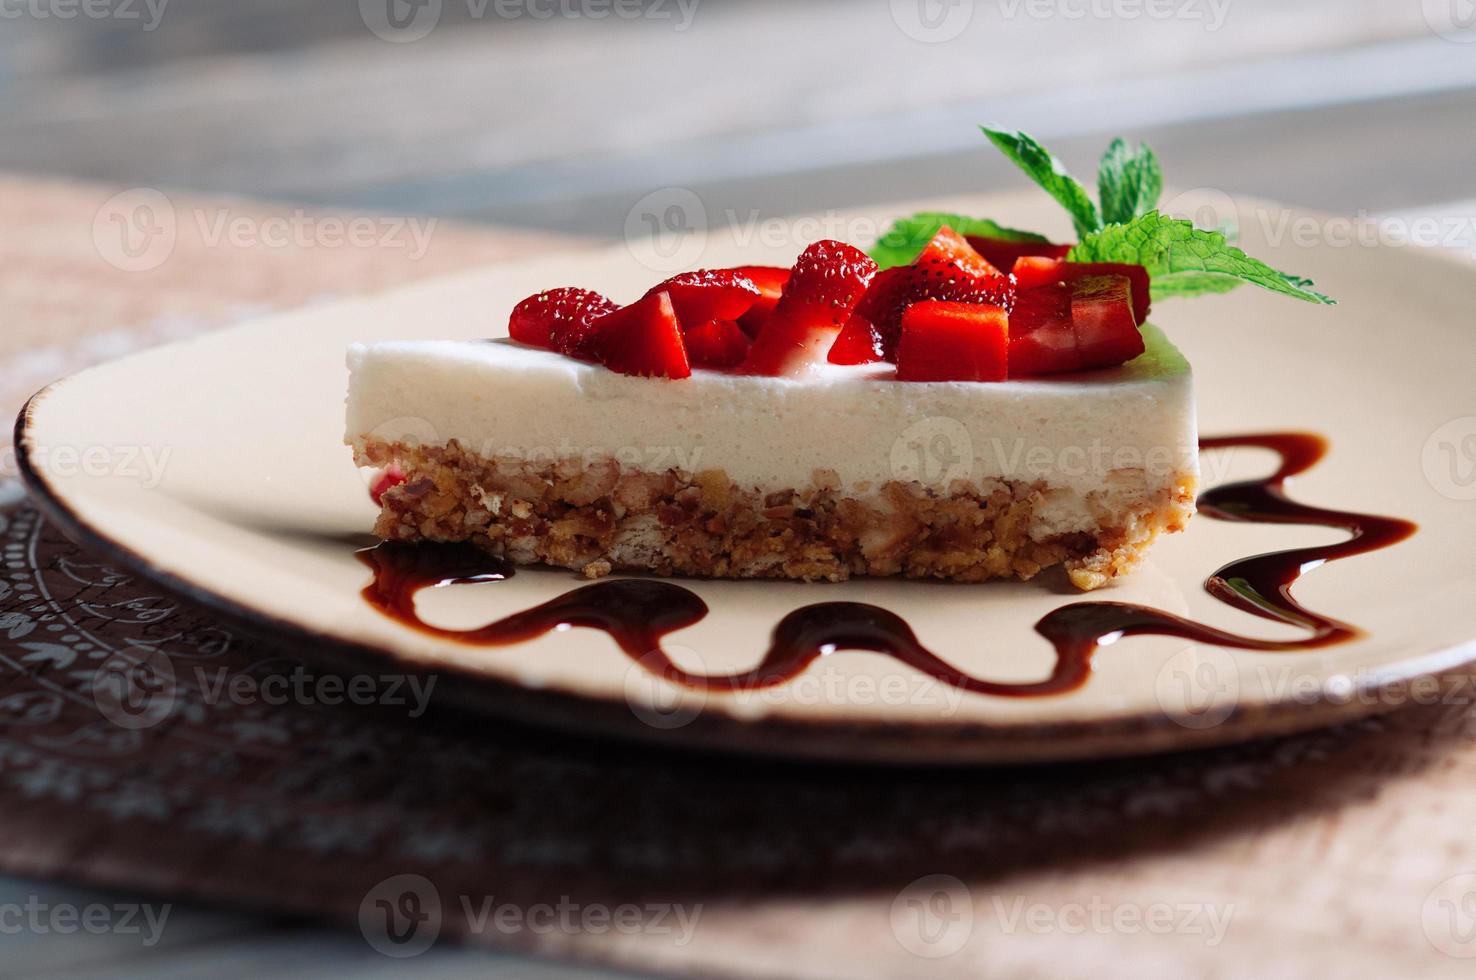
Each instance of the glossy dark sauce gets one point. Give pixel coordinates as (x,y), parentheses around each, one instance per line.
(639,613)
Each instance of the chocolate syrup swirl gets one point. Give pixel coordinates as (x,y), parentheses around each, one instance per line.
(639,613)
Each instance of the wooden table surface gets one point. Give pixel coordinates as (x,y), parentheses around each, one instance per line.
(1342,853)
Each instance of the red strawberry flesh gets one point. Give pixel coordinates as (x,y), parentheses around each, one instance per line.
(559,319)
(716,344)
(826,283)
(953,342)
(709,294)
(1003,253)
(858,343)
(1033,272)
(896,289)
(949,246)
(643,339)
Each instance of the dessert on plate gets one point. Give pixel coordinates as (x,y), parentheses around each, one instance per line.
(967,402)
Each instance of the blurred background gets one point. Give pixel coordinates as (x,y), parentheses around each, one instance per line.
(561,114)
(559,117)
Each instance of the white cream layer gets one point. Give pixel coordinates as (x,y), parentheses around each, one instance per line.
(1132,427)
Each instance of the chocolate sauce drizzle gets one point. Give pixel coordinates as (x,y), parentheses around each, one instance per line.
(639,613)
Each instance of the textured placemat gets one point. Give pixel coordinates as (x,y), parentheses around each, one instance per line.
(1345,852)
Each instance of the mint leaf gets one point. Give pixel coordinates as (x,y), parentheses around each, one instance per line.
(901,243)
(1129,182)
(1187,261)
(1043,168)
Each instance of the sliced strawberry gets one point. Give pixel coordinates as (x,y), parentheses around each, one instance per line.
(953,342)
(716,344)
(827,282)
(1074,326)
(1042,340)
(709,294)
(1003,253)
(896,289)
(1032,272)
(858,343)
(770,280)
(559,319)
(643,339)
(1102,315)
(949,246)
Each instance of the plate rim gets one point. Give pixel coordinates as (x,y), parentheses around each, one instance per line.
(972,743)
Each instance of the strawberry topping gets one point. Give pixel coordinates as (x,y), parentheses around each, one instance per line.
(953,342)
(949,246)
(896,289)
(827,282)
(858,343)
(770,280)
(1003,253)
(1032,272)
(1074,326)
(716,344)
(709,294)
(644,339)
(559,319)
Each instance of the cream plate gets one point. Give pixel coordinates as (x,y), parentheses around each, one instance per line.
(258,510)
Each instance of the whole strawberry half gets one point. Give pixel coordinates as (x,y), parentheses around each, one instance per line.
(896,289)
(559,319)
(826,283)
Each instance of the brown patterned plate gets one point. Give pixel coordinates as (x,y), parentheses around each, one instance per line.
(217,468)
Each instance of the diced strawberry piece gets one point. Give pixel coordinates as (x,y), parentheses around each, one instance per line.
(559,319)
(1031,272)
(896,289)
(709,294)
(389,478)
(1073,326)
(953,342)
(1003,253)
(1042,340)
(716,344)
(770,280)
(1102,315)
(643,339)
(858,343)
(827,282)
(949,246)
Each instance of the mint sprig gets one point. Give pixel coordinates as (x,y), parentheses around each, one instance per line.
(1129,182)
(1050,173)
(1183,260)
(901,243)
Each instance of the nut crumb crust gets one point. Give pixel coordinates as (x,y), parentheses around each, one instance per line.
(593,516)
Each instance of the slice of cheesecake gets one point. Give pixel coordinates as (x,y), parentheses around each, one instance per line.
(538,457)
